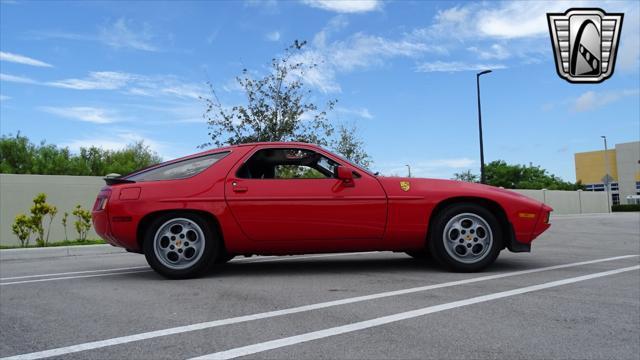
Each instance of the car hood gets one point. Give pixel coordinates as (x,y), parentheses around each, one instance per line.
(448,188)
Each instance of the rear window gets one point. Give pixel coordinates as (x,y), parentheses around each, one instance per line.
(179,170)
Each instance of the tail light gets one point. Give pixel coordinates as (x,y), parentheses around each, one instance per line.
(102,200)
(101,203)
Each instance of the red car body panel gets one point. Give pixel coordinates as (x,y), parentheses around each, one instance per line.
(293,216)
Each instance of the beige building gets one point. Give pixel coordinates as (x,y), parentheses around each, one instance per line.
(623,163)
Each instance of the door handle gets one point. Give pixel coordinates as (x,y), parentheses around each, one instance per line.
(237,188)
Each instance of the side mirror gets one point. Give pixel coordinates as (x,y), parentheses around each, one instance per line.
(346,175)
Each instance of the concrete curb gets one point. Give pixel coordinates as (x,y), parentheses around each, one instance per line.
(58,251)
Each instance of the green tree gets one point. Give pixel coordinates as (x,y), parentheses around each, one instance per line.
(276,109)
(467,176)
(351,146)
(16,155)
(19,156)
(499,173)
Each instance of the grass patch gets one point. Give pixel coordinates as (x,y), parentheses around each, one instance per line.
(58,243)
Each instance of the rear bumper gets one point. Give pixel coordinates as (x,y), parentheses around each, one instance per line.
(117,231)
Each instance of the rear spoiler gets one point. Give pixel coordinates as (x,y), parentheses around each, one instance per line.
(113,179)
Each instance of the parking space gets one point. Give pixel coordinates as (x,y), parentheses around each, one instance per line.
(575,296)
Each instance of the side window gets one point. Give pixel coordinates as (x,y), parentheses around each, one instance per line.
(287,164)
(179,170)
(297,172)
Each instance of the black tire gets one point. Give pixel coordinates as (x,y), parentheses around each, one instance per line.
(437,243)
(209,253)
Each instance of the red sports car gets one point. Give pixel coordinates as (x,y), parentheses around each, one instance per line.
(187,214)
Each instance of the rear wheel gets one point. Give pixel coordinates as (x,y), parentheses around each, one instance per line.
(465,237)
(180,245)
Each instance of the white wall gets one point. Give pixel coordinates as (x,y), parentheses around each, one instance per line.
(65,192)
(570,202)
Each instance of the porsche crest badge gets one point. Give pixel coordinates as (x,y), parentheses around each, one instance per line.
(405,186)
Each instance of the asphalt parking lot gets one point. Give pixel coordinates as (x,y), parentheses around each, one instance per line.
(577,295)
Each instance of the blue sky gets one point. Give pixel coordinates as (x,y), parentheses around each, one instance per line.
(110,73)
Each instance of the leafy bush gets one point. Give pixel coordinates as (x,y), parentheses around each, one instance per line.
(41,211)
(500,174)
(82,223)
(18,155)
(65,216)
(625,207)
(23,228)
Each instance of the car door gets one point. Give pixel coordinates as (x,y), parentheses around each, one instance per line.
(271,208)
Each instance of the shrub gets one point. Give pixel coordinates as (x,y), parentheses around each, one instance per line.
(82,223)
(23,228)
(625,207)
(65,216)
(39,213)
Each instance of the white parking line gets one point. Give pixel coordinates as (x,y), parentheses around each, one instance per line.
(72,273)
(73,277)
(215,323)
(117,271)
(315,335)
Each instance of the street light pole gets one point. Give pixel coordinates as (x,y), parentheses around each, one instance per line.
(482,175)
(408,168)
(606,176)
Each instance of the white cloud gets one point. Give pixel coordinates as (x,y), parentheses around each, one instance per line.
(4,97)
(82,113)
(358,51)
(16,79)
(359,112)
(507,20)
(345,6)
(362,50)
(134,84)
(97,80)
(629,51)
(273,36)
(120,35)
(455,66)
(592,100)
(437,168)
(193,91)
(495,51)
(118,140)
(21,59)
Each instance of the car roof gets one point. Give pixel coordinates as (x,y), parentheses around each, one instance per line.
(260,143)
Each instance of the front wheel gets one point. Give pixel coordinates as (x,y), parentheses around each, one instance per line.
(465,237)
(180,245)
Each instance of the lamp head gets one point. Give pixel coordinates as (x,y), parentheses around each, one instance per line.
(484,72)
